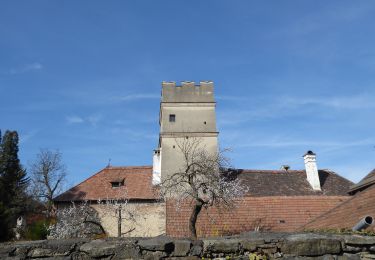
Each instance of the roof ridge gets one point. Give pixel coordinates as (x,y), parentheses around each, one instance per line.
(129,167)
(255,170)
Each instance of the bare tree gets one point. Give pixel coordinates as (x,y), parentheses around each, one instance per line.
(203,179)
(47,175)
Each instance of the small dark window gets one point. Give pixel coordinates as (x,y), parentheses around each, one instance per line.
(174,146)
(117,184)
(204,122)
(172,118)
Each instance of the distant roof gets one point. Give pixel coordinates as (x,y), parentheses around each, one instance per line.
(137,185)
(364,183)
(348,213)
(292,183)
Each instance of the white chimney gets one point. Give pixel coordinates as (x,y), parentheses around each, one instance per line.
(312,170)
(156,167)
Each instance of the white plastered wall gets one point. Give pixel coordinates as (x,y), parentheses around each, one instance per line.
(150,219)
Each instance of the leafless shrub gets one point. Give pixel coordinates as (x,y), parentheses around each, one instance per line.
(76,221)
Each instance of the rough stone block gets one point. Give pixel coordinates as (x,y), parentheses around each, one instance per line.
(99,248)
(352,249)
(157,244)
(58,247)
(128,251)
(310,245)
(79,256)
(196,250)
(181,247)
(348,257)
(251,244)
(323,257)
(221,245)
(57,258)
(184,258)
(20,251)
(359,240)
(40,252)
(154,255)
(6,250)
(269,250)
(367,256)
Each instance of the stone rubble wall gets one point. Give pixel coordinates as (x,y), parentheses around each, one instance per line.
(251,246)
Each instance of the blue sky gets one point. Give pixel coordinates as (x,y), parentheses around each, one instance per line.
(84,77)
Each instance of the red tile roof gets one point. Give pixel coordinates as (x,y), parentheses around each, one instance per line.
(273,213)
(137,185)
(348,213)
(367,181)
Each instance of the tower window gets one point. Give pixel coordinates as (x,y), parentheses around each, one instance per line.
(172,118)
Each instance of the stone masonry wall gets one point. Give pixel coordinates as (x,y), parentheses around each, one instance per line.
(275,213)
(246,246)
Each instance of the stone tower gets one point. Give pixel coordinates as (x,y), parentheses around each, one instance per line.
(186,111)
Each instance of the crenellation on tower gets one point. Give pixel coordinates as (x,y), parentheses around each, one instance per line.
(206,83)
(169,83)
(187,83)
(188,92)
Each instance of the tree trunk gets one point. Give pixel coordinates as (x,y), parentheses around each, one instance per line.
(193,219)
(119,220)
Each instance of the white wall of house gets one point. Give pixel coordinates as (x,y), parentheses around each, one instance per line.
(150,219)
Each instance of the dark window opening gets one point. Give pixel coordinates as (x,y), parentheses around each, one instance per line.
(117,184)
(204,122)
(172,118)
(174,146)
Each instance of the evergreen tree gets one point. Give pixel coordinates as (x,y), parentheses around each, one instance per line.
(4,212)
(13,184)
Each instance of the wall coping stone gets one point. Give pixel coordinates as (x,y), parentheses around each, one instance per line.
(272,245)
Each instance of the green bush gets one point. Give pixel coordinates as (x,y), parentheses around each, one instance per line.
(37,230)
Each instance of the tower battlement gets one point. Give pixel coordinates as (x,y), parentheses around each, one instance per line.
(188,92)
